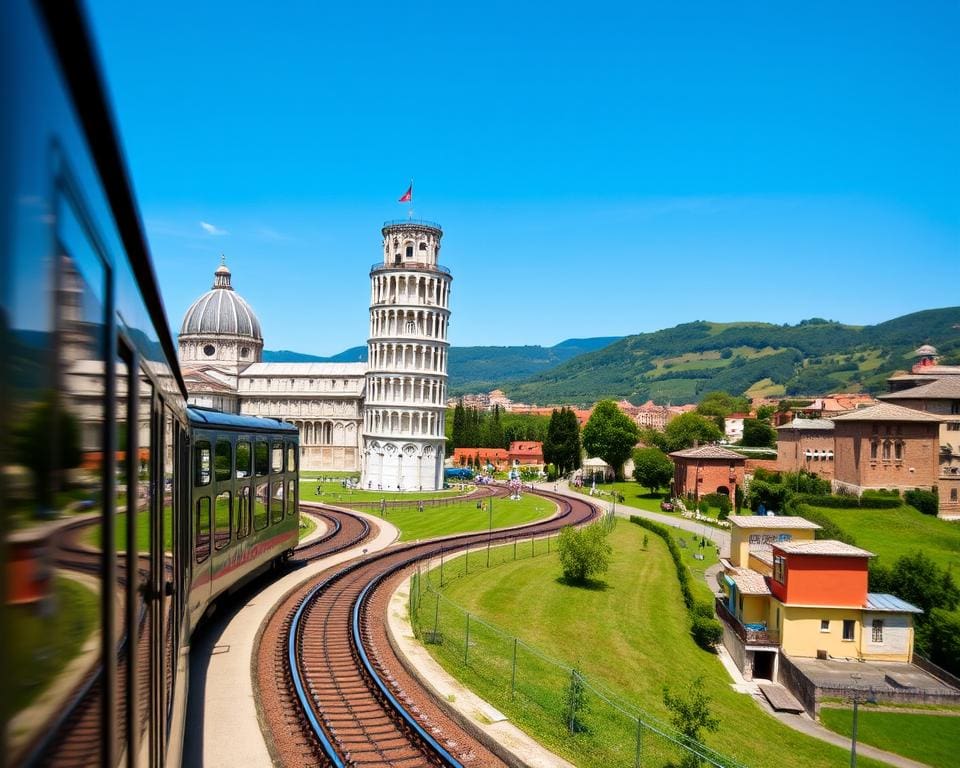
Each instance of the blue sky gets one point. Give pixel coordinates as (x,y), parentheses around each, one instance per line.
(598,169)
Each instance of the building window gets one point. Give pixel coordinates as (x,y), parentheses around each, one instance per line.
(848,630)
(953,426)
(873,449)
(244,351)
(824,625)
(409,251)
(780,569)
(877,633)
(423,246)
(898,450)
(886,450)
(955,406)
(208,350)
(953,494)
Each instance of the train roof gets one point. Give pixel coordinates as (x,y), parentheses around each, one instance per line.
(206,417)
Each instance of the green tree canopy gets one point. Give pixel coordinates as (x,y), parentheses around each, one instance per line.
(687,428)
(611,435)
(652,468)
(718,405)
(562,446)
(758,434)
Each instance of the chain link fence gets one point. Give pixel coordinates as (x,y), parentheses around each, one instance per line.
(594,725)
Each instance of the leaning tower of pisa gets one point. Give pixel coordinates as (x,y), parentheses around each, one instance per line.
(406,393)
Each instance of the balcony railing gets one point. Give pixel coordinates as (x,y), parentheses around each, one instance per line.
(747,636)
(411,222)
(412,266)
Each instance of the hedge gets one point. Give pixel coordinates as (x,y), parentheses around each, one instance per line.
(706,630)
(847,502)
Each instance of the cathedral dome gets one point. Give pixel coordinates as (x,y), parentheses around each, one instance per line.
(221,311)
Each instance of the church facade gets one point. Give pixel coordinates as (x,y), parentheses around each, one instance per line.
(384,419)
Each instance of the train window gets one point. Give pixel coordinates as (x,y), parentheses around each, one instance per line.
(223,463)
(291,497)
(243,458)
(201,463)
(243,511)
(291,456)
(276,459)
(201,541)
(221,520)
(260,518)
(276,501)
(261,458)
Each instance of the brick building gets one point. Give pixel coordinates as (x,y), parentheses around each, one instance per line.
(806,444)
(707,469)
(525,453)
(886,446)
(463,457)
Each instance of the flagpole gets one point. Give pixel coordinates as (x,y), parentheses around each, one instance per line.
(410,209)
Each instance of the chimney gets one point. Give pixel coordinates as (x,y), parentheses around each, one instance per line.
(696,443)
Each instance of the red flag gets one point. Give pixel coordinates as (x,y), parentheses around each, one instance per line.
(408,195)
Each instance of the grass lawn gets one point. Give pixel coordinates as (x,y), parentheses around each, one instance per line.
(890,533)
(462,517)
(335,493)
(930,739)
(40,647)
(93,537)
(629,634)
(307,526)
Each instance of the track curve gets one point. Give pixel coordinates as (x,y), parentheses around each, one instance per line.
(335,693)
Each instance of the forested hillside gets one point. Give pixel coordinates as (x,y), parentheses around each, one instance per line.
(679,364)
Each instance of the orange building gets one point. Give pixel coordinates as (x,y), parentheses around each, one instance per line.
(525,453)
(468,456)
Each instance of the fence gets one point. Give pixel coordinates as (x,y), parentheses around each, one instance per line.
(577,716)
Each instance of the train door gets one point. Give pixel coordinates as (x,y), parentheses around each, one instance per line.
(202,521)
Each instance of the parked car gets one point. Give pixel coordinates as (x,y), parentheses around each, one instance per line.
(666,506)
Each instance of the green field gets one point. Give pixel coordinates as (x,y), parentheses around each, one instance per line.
(629,635)
(93,537)
(40,647)
(463,517)
(335,493)
(931,739)
(890,533)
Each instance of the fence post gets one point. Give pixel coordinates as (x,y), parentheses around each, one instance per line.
(488,552)
(513,673)
(466,644)
(441,566)
(436,619)
(636,762)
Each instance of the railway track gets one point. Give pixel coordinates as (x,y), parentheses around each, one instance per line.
(343,531)
(332,690)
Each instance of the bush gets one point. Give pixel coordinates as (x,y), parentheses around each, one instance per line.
(926,502)
(828,528)
(703,610)
(706,632)
(584,552)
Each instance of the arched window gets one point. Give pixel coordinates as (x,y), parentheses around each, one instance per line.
(953,494)
(886,450)
(873,449)
(409,251)
(898,450)
(423,246)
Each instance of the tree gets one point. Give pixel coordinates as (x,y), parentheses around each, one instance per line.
(652,468)
(48,442)
(917,579)
(688,428)
(765,412)
(690,714)
(758,433)
(458,436)
(562,445)
(584,552)
(718,405)
(610,434)
(493,430)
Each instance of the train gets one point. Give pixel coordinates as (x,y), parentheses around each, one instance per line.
(125,511)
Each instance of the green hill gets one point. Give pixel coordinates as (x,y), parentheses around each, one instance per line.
(680,364)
